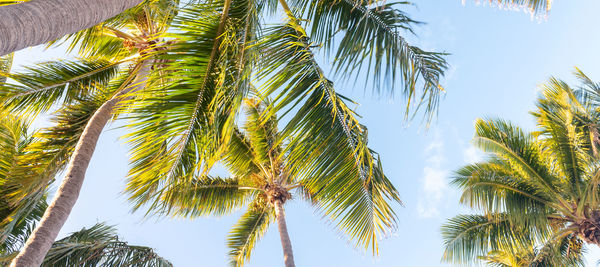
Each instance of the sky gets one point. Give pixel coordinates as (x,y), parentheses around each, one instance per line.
(498,60)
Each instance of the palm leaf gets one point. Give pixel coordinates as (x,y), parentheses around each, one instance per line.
(250,228)
(51,83)
(495,188)
(370,41)
(100,246)
(468,236)
(191,114)
(205,196)
(327,148)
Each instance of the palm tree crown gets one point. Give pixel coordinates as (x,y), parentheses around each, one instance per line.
(536,190)
(266,174)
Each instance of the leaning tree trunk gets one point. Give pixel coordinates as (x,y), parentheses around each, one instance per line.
(40,241)
(288,255)
(39,21)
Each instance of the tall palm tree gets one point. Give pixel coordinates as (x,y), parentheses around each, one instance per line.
(534,187)
(267,173)
(222,44)
(97,246)
(93,89)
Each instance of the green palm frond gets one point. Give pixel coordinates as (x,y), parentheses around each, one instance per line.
(561,251)
(15,217)
(570,144)
(205,196)
(589,91)
(51,148)
(50,83)
(510,143)
(239,157)
(328,151)
(100,246)
(262,132)
(494,187)
(368,36)
(250,228)
(191,115)
(18,223)
(468,236)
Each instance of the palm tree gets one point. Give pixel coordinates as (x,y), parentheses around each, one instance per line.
(222,44)
(535,188)
(97,246)
(95,89)
(205,74)
(267,172)
(36,22)
(197,92)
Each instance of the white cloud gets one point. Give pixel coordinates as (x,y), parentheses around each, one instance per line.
(434,184)
(472,155)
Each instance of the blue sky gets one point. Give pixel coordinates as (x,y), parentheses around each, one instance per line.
(499,57)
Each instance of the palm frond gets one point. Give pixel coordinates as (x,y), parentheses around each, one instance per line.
(262,132)
(370,40)
(190,115)
(204,196)
(249,229)
(18,223)
(521,150)
(468,236)
(563,121)
(494,187)
(51,148)
(239,156)
(16,217)
(100,246)
(328,147)
(50,83)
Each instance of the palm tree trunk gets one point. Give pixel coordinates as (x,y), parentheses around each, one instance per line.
(288,255)
(40,241)
(39,21)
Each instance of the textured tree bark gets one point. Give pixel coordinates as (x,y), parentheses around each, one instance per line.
(288,255)
(39,21)
(40,241)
